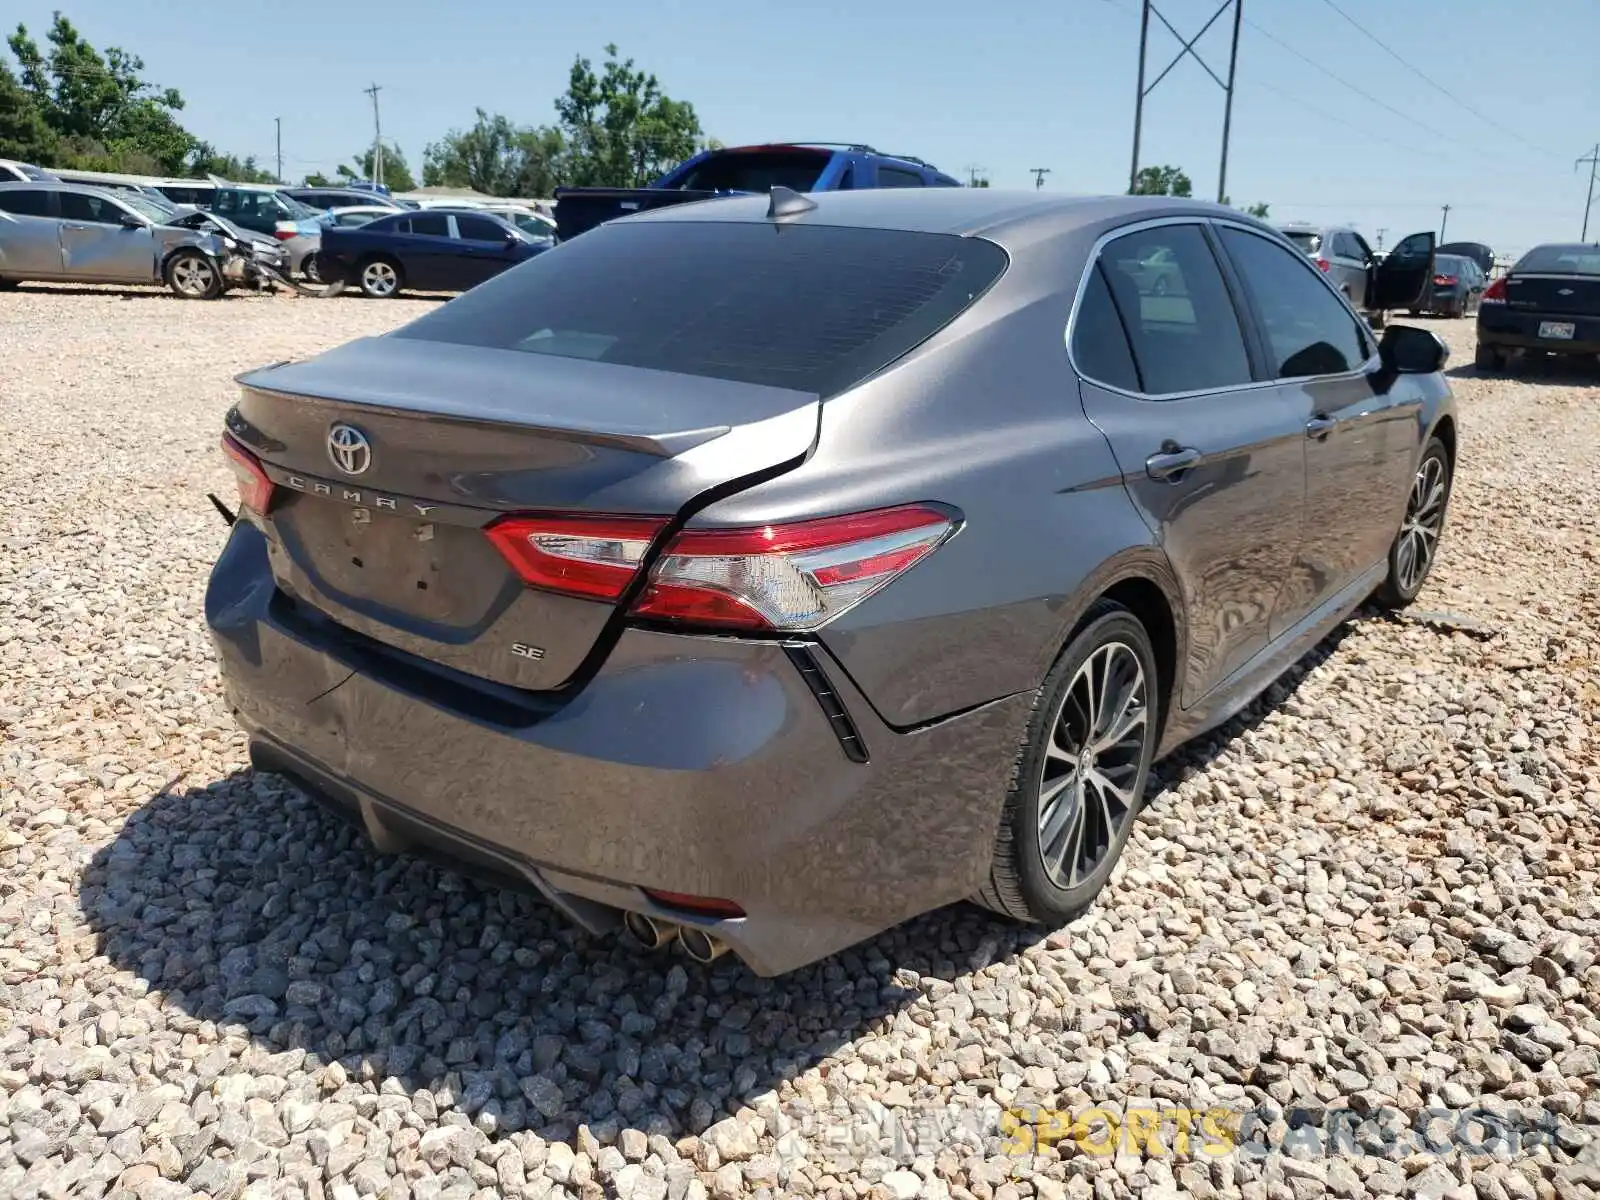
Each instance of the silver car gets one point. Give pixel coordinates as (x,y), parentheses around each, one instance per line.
(1342,255)
(69,232)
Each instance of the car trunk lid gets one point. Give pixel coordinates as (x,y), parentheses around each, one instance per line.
(1576,295)
(390,457)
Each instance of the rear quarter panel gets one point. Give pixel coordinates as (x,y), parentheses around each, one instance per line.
(986,417)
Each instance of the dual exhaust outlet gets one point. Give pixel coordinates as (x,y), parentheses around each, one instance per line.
(655,934)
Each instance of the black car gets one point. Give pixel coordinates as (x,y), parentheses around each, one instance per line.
(1478,252)
(423,251)
(1549,302)
(1458,286)
(330,198)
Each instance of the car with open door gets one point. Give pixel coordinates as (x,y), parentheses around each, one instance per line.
(1547,303)
(746,574)
(1354,268)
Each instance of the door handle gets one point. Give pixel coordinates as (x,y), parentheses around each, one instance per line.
(1320,426)
(1171,462)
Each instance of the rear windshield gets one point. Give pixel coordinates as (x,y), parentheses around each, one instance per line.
(1449,264)
(811,307)
(1561,260)
(755,171)
(1307,241)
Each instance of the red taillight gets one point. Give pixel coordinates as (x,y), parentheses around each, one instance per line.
(284,235)
(1323,264)
(1496,294)
(592,557)
(1444,280)
(255,489)
(788,577)
(776,577)
(705,906)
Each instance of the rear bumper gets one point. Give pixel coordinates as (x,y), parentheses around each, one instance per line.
(1518,329)
(699,765)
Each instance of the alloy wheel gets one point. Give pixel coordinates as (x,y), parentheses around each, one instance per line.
(379,279)
(193,275)
(1091,764)
(1419,534)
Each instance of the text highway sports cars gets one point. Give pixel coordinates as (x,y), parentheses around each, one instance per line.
(767,571)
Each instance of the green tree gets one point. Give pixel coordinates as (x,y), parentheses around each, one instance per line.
(1161,181)
(1258,210)
(98,105)
(207,160)
(621,130)
(497,158)
(24,133)
(397,175)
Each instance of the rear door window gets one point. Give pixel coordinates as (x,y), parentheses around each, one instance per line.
(1179,316)
(25,203)
(1100,347)
(814,308)
(893,177)
(430,225)
(756,171)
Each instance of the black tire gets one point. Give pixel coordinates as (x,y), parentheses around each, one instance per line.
(193,275)
(380,277)
(310,269)
(1020,884)
(1489,359)
(1421,528)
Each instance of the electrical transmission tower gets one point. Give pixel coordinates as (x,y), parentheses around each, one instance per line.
(1149,10)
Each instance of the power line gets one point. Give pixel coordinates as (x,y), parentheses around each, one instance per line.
(1434,84)
(1345,83)
(1588,197)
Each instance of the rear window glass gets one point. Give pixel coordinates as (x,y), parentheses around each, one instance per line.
(1561,260)
(755,171)
(1309,242)
(813,308)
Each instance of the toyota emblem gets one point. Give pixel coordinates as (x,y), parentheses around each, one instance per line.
(349,449)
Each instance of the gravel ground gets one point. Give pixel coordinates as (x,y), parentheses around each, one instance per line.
(1375,892)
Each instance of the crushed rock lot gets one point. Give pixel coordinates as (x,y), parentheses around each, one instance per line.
(1374,892)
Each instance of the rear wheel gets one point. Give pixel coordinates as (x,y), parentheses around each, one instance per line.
(1412,553)
(1080,774)
(380,278)
(1488,358)
(309,268)
(192,275)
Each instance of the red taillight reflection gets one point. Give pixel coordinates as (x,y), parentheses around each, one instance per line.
(284,235)
(705,906)
(255,489)
(1444,280)
(1323,264)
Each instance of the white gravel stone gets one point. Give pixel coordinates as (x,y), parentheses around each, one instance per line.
(1377,886)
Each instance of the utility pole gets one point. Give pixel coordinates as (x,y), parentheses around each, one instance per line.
(1381,232)
(975,173)
(1147,10)
(1038,176)
(1588,199)
(377,135)
(278,121)
(1444,221)
(1227,105)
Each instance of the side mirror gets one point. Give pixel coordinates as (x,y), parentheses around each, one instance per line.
(1408,350)
(129,221)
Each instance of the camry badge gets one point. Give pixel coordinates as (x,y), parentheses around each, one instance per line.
(349,449)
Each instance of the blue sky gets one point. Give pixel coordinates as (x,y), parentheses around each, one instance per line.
(1005,87)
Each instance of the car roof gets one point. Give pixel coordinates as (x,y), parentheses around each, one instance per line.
(995,214)
(63,185)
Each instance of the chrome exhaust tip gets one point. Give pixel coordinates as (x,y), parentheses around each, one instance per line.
(647,931)
(701,946)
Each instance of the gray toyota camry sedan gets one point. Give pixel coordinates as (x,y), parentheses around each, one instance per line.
(762,572)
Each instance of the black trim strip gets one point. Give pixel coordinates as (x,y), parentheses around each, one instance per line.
(832,706)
